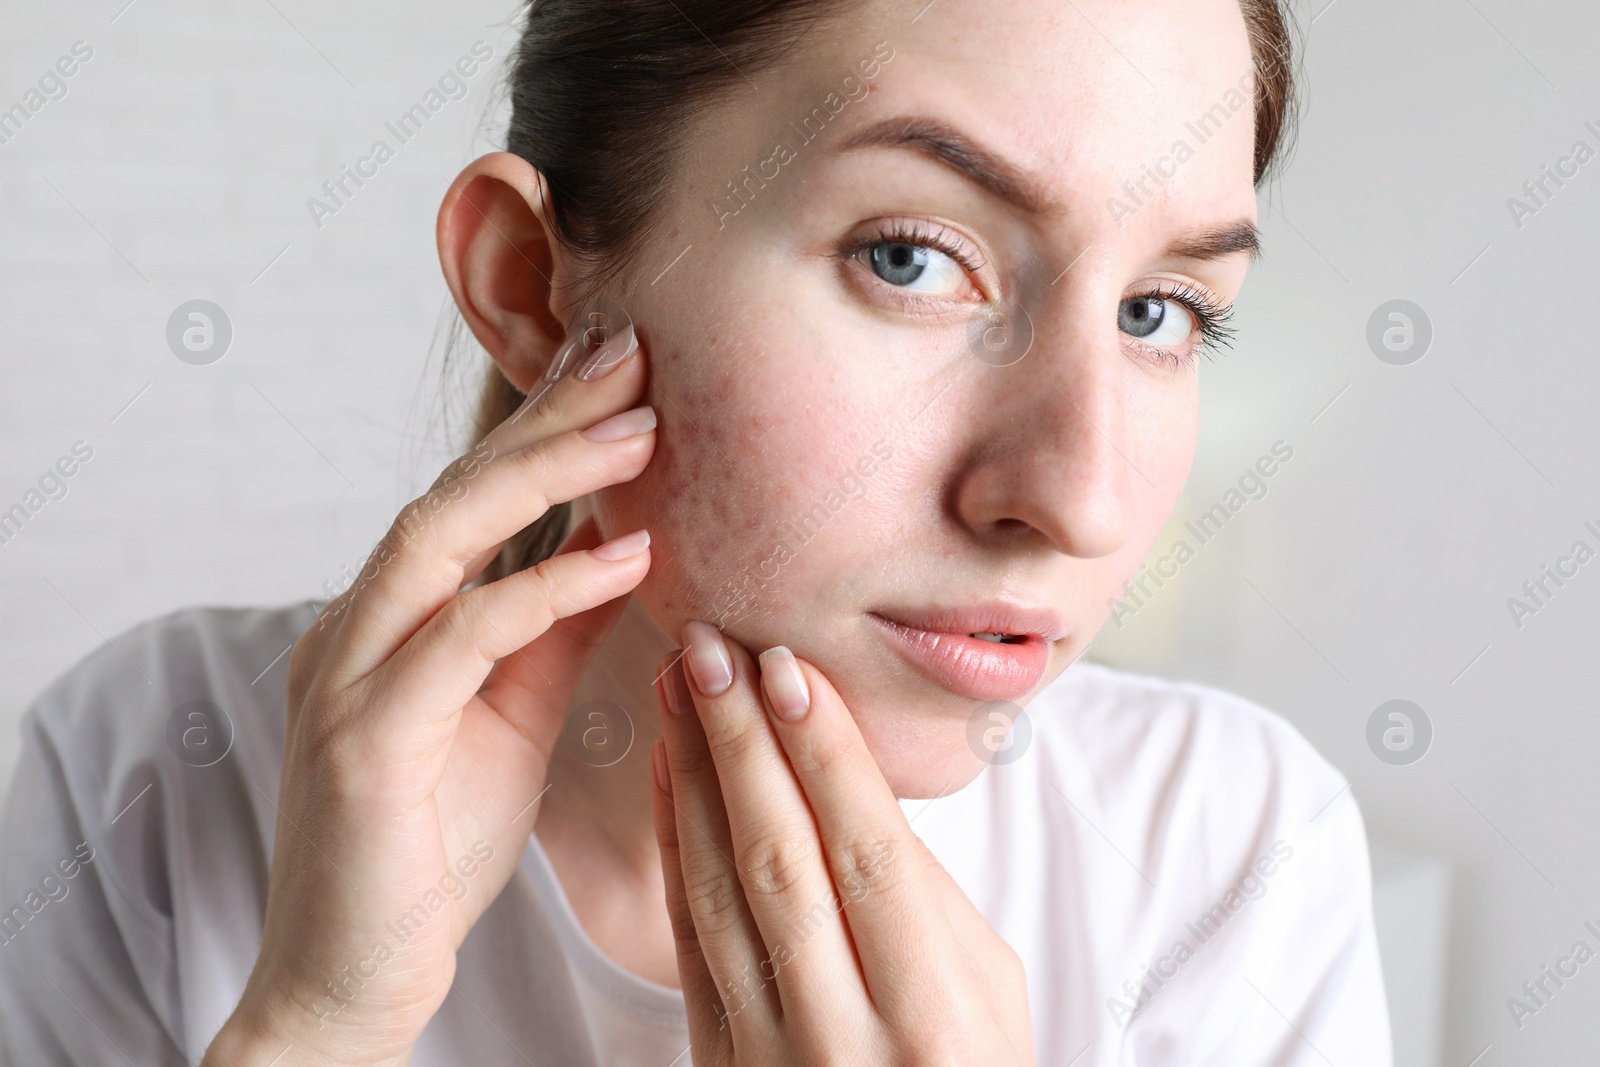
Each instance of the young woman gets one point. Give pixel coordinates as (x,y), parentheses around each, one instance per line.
(844,368)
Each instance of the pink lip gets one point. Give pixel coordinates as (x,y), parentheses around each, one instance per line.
(938,642)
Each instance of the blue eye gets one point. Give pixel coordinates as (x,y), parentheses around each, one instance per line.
(914,267)
(1175,322)
(1155,321)
(918,256)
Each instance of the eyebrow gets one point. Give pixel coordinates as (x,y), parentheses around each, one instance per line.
(1003,179)
(1218,242)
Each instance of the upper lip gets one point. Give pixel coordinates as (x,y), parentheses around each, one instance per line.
(991,616)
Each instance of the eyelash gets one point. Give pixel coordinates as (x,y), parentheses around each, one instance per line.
(919,233)
(1212,319)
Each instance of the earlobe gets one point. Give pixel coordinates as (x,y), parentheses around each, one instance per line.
(501,263)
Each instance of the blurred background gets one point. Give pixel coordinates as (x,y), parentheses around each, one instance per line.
(1440,447)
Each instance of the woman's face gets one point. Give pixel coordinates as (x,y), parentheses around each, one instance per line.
(848,436)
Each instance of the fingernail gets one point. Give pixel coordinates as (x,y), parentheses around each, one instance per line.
(622,547)
(679,701)
(563,359)
(628,424)
(784,685)
(609,356)
(663,775)
(708,657)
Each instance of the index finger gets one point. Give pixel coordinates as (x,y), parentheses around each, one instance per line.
(899,928)
(547,459)
(776,848)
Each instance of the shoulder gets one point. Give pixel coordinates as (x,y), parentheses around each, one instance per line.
(1223,751)
(1223,844)
(1252,857)
(178,716)
(201,646)
(184,711)
(1202,785)
(146,777)
(121,698)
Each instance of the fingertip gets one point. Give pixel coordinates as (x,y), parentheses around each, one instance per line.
(626,547)
(784,683)
(660,773)
(663,680)
(585,534)
(817,684)
(675,688)
(825,707)
(663,810)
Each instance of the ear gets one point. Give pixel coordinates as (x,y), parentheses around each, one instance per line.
(503,266)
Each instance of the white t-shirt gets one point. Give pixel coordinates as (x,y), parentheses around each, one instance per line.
(1185,879)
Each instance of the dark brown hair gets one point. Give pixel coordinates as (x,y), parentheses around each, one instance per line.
(602,91)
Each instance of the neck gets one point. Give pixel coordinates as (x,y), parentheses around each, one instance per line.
(598,801)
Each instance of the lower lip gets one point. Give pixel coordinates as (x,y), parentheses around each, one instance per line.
(971,666)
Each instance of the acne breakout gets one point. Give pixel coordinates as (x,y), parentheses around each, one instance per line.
(742,590)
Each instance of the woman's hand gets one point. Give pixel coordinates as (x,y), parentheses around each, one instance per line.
(813,927)
(421,721)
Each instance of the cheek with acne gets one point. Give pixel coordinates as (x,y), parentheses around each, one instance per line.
(733,456)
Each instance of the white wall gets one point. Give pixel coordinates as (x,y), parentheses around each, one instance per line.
(178,167)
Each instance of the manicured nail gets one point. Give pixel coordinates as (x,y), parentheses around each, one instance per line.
(622,547)
(609,356)
(628,424)
(784,685)
(708,657)
(563,359)
(659,759)
(679,700)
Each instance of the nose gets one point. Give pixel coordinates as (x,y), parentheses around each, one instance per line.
(1051,456)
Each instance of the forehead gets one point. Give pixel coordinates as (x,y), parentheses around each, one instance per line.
(1084,95)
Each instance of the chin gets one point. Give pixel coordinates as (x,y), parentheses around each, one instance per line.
(915,713)
(917,731)
(918,766)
